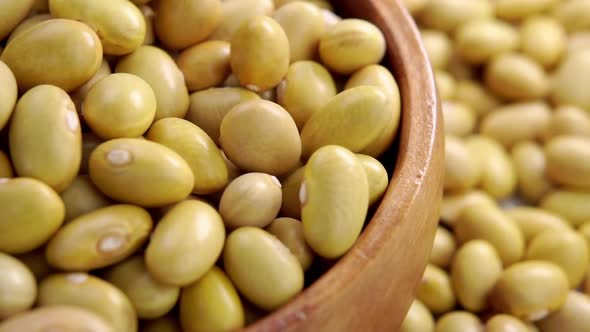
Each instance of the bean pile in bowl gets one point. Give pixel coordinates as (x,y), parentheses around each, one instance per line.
(176,165)
(512,249)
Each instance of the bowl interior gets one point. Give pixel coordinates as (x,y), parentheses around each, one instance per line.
(372,286)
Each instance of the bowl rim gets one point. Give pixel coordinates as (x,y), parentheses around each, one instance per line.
(418,168)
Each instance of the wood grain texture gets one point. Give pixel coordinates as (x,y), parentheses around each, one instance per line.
(372,286)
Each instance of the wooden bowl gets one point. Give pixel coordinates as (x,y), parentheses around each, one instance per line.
(372,286)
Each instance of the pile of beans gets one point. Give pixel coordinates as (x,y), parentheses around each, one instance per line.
(511,253)
(175,165)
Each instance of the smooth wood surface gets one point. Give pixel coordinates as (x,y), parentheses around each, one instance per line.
(371,288)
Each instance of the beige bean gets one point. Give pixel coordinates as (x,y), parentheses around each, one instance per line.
(459,118)
(350,45)
(418,319)
(160,71)
(498,173)
(475,270)
(502,323)
(18,286)
(211,304)
(519,9)
(485,221)
(584,229)
(446,15)
(438,47)
(568,120)
(459,321)
(574,15)
(507,123)
(12,13)
(377,177)
(180,24)
(532,221)
(251,253)
(543,38)
(530,290)
(290,232)
(463,170)
(150,298)
(252,199)
(235,13)
(205,65)
(260,35)
(571,205)
(191,228)
(68,318)
(475,95)
(443,248)
(566,249)
(570,78)
(148,15)
(380,76)
(91,294)
(28,23)
(209,107)
(446,84)
(515,76)
(453,205)
(577,41)
(568,161)
(333,218)
(304,25)
(290,187)
(574,315)
(529,163)
(436,290)
(306,88)
(478,41)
